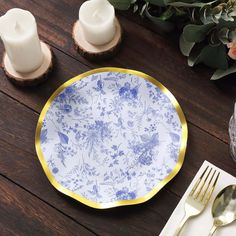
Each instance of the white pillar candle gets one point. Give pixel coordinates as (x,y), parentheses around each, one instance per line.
(97,18)
(18,31)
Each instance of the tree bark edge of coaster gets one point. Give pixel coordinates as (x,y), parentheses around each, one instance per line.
(96,52)
(33,78)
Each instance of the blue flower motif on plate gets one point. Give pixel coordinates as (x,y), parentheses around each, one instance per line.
(111,136)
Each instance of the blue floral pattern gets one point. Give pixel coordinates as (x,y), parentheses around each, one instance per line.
(111,136)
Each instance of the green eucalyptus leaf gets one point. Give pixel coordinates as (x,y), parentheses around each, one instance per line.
(194,55)
(228,24)
(215,57)
(223,35)
(185,46)
(222,73)
(232,35)
(214,39)
(205,15)
(194,4)
(167,14)
(143,9)
(163,25)
(196,33)
(121,4)
(180,11)
(135,9)
(160,3)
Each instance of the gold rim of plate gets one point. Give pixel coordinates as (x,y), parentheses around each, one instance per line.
(139,200)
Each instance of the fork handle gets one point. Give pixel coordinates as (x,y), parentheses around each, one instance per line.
(181,225)
(213,230)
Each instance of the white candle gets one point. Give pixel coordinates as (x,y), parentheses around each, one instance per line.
(97,18)
(18,31)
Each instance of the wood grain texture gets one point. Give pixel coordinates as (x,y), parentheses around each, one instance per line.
(207,104)
(20,164)
(23,214)
(25,170)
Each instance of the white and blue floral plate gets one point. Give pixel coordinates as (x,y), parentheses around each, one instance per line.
(111,137)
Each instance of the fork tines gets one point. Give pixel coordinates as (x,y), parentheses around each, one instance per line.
(205,185)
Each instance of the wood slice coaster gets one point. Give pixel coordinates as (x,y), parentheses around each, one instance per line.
(34,77)
(96,52)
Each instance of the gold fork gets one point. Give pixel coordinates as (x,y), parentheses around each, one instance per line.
(199,196)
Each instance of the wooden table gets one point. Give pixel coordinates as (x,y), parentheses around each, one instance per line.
(29,205)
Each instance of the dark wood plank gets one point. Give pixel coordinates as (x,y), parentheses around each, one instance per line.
(35,97)
(138,220)
(23,214)
(20,164)
(208,105)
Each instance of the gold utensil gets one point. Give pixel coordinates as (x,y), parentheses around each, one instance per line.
(199,196)
(224,208)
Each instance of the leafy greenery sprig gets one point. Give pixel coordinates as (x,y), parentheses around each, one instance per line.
(208,28)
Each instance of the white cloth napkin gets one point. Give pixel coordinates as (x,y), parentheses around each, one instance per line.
(201,225)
